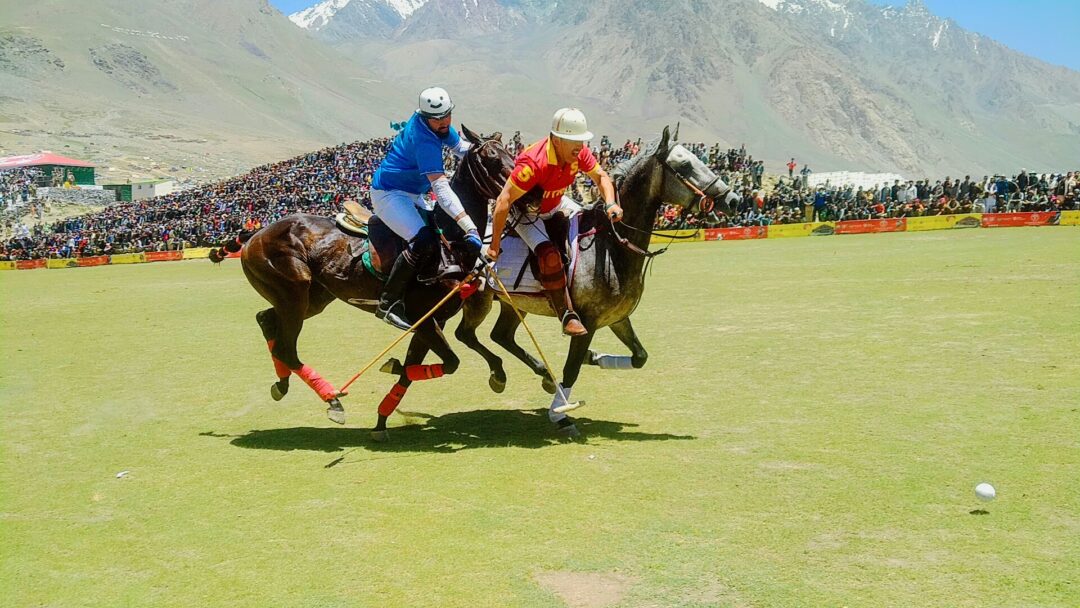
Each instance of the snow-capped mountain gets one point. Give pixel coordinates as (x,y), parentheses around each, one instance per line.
(355,17)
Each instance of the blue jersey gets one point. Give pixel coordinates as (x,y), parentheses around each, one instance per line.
(415,154)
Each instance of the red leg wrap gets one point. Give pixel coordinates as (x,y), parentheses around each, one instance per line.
(280,368)
(423,372)
(391,400)
(324,389)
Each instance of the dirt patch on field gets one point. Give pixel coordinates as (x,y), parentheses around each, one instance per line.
(586,589)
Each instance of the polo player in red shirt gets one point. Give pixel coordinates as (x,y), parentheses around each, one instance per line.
(547,168)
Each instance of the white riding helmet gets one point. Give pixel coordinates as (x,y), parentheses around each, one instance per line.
(569,123)
(435,103)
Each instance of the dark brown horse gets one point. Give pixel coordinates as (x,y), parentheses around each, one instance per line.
(302,263)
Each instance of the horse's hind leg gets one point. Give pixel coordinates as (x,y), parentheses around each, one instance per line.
(503,335)
(267,320)
(625,332)
(474,312)
(296,298)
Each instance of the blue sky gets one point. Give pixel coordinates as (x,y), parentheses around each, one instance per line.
(1046,29)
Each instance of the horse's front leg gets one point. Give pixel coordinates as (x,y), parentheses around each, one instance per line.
(636,360)
(473,313)
(428,337)
(579,348)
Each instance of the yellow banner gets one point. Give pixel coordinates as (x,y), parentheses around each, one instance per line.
(193,253)
(935,222)
(782,231)
(127,258)
(964,220)
(7,265)
(661,237)
(62,263)
(1070,218)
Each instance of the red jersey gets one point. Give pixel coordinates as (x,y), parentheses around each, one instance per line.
(538,167)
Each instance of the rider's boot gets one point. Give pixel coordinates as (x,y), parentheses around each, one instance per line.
(391,307)
(564,311)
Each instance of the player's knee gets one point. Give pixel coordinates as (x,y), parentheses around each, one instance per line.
(423,245)
(551,267)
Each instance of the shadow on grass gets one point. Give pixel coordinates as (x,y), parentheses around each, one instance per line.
(448,433)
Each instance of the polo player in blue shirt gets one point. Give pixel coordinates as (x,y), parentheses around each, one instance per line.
(412,167)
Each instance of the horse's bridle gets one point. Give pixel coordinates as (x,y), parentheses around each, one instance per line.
(704,198)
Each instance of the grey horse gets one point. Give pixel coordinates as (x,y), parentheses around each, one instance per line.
(610,275)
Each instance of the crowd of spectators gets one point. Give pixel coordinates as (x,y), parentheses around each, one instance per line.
(17,186)
(320,181)
(313,183)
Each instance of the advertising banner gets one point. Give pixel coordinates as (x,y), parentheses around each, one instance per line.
(935,222)
(96,260)
(163,256)
(1037,218)
(871,226)
(192,253)
(29,264)
(62,263)
(1070,218)
(735,234)
(7,265)
(780,231)
(128,258)
(659,237)
(965,220)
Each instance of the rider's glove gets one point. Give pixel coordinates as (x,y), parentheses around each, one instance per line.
(473,242)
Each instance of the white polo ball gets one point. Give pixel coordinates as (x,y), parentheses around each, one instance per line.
(985,492)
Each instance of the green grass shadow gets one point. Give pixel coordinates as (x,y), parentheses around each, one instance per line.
(447,433)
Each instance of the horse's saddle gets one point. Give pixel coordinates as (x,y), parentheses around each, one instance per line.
(354,219)
(383,246)
(517,266)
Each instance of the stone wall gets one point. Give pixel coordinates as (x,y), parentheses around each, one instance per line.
(81,196)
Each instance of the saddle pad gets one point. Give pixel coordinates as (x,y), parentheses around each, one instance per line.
(514,255)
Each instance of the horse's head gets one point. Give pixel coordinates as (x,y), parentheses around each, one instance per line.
(688,181)
(490,163)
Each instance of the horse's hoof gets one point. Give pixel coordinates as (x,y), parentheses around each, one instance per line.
(497,383)
(278,391)
(568,429)
(392,366)
(549,385)
(380,436)
(335,412)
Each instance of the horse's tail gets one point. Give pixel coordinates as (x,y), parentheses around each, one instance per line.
(233,246)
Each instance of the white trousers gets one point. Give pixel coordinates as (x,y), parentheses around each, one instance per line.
(400,211)
(530,226)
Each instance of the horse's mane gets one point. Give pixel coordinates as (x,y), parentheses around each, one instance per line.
(628,166)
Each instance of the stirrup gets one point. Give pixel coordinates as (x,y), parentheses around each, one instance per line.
(394,314)
(568,316)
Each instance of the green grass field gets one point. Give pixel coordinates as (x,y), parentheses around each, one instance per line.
(813,419)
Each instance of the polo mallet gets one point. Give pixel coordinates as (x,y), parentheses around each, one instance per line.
(457,288)
(567,404)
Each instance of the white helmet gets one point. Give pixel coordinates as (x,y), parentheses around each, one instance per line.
(569,123)
(435,103)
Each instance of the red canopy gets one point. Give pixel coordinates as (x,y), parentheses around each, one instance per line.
(44,158)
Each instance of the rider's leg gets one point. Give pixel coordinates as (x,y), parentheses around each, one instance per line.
(552,276)
(398,211)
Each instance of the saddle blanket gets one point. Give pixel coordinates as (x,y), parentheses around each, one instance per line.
(515,254)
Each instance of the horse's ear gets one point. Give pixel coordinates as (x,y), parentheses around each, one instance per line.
(665,141)
(469,135)
(675,136)
(497,136)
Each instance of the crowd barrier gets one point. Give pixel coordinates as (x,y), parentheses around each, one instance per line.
(662,237)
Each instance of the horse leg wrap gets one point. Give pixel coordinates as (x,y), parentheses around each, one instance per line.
(613,361)
(280,368)
(324,389)
(561,398)
(391,400)
(423,372)
(551,267)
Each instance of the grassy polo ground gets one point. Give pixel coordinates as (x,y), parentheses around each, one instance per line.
(813,418)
